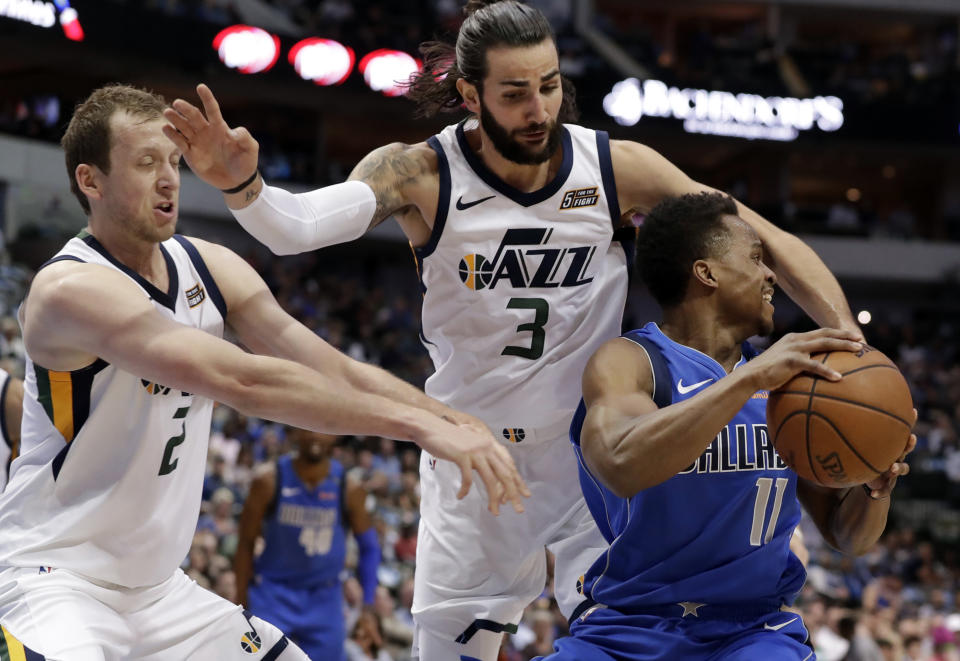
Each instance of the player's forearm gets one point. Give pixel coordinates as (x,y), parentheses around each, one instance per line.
(296,395)
(630,454)
(804,277)
(857,521)
(290,223)
(243,570)
(377,381)
(298,344)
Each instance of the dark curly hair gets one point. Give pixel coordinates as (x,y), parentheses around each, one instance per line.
(487,25)
(675,234)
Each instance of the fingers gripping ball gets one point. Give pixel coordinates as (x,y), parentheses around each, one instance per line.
(846,432)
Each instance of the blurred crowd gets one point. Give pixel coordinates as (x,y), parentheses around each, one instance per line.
(899,602)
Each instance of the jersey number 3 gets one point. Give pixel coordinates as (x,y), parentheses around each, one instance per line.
(168,464)
(541,313)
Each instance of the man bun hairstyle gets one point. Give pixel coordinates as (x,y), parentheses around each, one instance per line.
(487,25)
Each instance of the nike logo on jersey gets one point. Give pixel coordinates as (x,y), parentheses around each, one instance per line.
(777,627)
(287,492)
(683,390)
(463,206)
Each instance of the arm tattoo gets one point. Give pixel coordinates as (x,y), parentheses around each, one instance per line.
(388,170)
(252,194)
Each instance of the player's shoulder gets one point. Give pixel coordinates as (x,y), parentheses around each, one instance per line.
(406,160)
(220,260)
(65,283)
(266,470)
(630,151)
(264,477)
(619,357)
(617,349)
(206,248)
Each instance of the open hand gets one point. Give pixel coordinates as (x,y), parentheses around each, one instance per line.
(475,450)
(223,157)
(790,355)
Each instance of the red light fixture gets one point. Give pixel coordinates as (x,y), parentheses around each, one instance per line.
(324,61)
(388,71)
(247,49)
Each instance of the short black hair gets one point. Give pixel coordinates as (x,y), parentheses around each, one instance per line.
(676,233)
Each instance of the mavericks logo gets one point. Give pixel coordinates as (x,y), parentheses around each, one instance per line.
(525,261)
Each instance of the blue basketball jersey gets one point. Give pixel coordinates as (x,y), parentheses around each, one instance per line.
(304,534)
(719,531)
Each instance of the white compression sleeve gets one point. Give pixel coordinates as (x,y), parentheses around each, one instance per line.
(290,223)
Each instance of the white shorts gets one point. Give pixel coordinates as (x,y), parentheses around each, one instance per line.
(476,572)
(60,616)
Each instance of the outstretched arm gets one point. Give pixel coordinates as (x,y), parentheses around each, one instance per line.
(388,180)
(644,177)
(266,328)
(64,332)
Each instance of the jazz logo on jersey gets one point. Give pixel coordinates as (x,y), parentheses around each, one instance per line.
(524,261)
(155,388)
(579,198)
(514,435)
(250,642)
(195,295)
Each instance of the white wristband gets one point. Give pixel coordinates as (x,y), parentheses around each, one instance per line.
(291,223)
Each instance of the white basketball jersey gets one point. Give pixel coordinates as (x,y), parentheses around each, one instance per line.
(521,288)
(6,444)
(108,481)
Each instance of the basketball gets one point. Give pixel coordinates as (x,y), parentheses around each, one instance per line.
(847,432)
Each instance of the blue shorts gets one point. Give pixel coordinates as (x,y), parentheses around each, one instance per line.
(312,617)
(605,634)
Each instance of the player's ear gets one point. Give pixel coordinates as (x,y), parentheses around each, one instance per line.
(470,95)
(88,180)
(704,273)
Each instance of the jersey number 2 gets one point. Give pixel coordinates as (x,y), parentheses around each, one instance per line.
(541,313)
(168,464)
(764,485)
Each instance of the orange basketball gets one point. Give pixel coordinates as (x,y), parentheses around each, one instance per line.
(847,432)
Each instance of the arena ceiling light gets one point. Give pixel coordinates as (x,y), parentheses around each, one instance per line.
(387,71)
(324,61)
(723,113)
(44,15)
(247,49)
